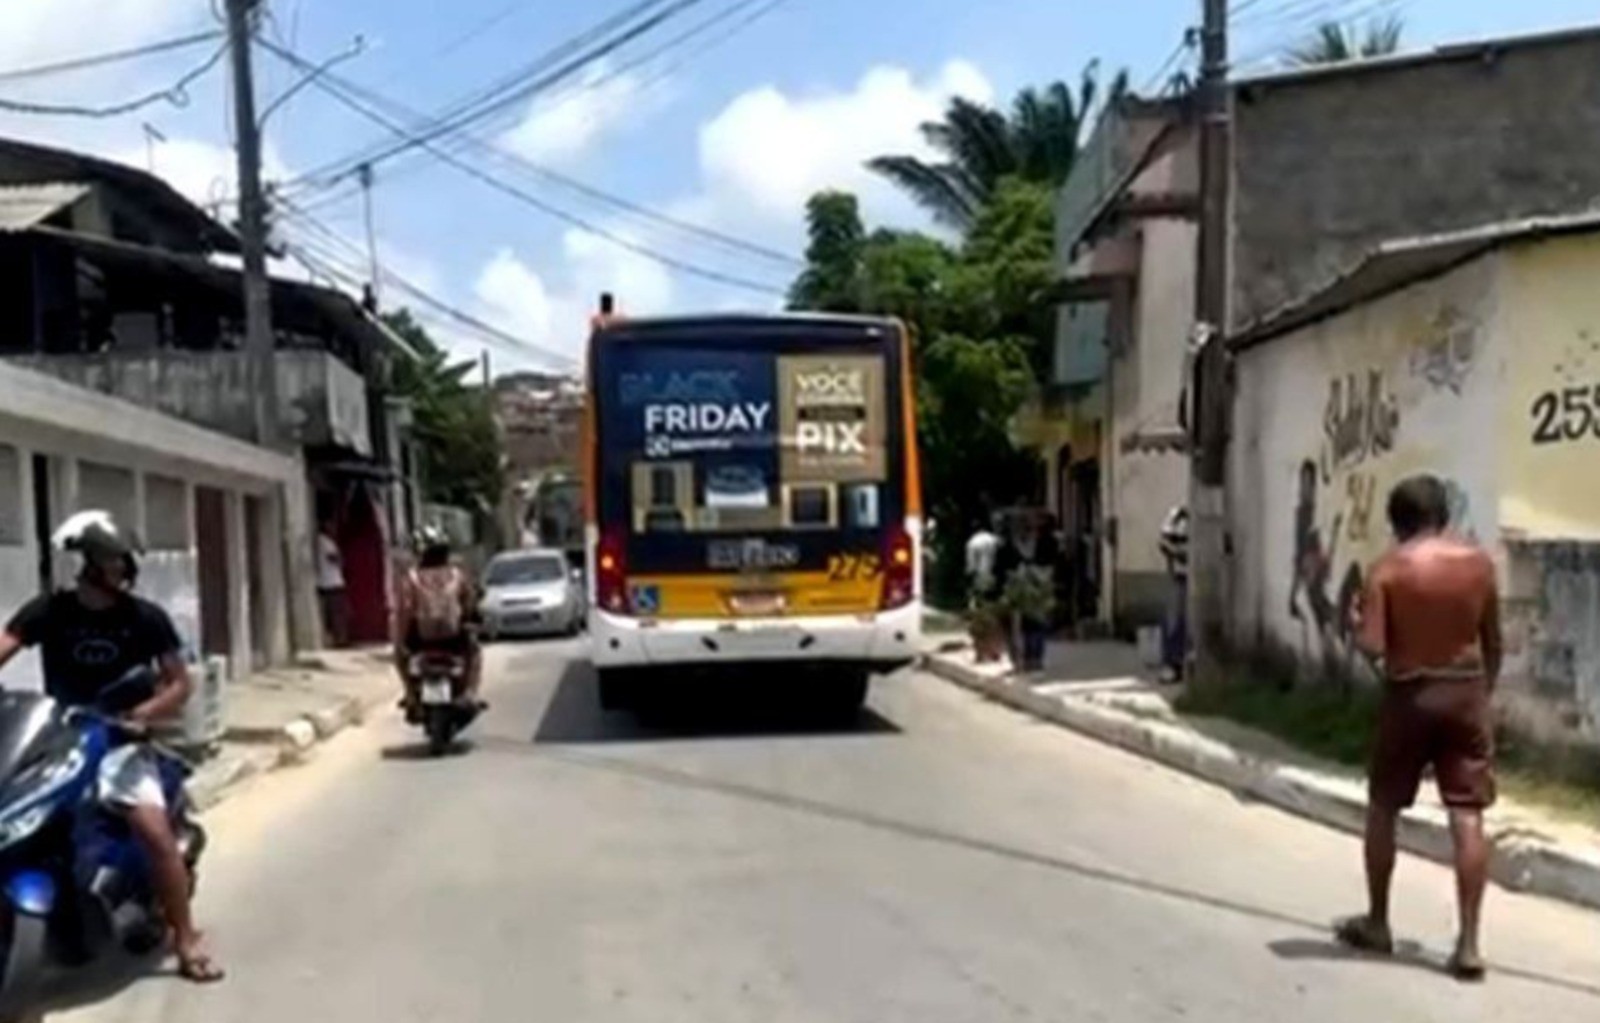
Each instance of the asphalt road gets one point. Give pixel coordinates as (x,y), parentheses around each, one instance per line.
(942,859)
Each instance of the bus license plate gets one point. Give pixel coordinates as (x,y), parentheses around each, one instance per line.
(436,692)
(757,603)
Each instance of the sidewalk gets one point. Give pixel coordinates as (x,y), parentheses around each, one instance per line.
(1100,690)
(275,717)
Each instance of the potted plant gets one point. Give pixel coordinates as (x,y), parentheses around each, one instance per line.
(1030,598)
(986,626)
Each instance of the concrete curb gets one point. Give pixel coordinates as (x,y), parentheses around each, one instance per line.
(250,753)
(1521,863)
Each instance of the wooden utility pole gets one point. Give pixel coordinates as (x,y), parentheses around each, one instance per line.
(253,227)
(1212,386)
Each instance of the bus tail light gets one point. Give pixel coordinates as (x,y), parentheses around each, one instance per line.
(900,570)
(611,575)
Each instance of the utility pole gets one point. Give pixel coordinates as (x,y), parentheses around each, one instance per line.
(364,175)
(253,227)
(1212,384)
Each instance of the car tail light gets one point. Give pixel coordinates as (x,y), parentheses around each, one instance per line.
(900,570)
(611,575)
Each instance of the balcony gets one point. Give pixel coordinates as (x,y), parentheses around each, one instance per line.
(321,401)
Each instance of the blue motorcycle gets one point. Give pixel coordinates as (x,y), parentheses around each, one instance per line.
(75,882)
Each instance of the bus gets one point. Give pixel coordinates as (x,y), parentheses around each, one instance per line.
(752,499)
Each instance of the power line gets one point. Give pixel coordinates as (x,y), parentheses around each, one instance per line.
(529,199)
(177,94)
(320,259)
(521,87)
(518,161)
(111,57)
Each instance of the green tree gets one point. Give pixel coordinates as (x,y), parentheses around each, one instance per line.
(980,147)
(831,279)
(1335,42)
(458,443)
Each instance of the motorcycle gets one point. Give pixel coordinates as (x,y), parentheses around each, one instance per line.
(74,882)
(443,710)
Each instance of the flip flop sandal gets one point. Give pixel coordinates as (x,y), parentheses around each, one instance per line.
(200,969)
(1467,970)
(1359,932)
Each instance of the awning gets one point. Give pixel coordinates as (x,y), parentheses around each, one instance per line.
(26,206)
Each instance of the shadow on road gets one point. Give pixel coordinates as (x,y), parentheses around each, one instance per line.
(1410,955)
(698,707)
(420,751)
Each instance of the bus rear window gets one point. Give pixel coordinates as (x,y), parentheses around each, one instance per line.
(730,439)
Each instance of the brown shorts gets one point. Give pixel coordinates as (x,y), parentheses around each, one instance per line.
(1442,723)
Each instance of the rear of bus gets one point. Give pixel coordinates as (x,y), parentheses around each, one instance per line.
(753,498)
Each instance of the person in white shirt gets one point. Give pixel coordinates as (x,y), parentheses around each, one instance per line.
(982,547)
(331,587)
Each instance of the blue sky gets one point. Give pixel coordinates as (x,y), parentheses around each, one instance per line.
(734,139)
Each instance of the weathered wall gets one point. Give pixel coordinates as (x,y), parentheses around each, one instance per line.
(1488,136)
(321,400)
(1149,476)
(1328,419)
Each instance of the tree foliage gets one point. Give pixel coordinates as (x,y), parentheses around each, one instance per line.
(980,147)
(457,440)
(1335,42)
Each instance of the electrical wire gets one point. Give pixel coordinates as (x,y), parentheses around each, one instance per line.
(517,161)
(526,197)
(593,47)
(320,259)
(108,58)
(177,94)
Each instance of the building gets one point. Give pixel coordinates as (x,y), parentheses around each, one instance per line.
(1328,163)
(216,515)
(112,281)
(1474,356)
(540,416)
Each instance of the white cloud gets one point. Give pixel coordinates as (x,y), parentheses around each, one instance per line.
(564,128)
(204,172)
(44,31)
(766,153)
(514,297)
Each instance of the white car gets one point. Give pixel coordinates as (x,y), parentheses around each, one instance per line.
(530,593)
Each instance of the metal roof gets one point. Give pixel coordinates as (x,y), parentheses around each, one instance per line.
(26,206)
(28,163)
(1396,264)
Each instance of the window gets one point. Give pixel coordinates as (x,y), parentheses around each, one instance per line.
(166,514)
(525,571)
(109,488)
(11,504)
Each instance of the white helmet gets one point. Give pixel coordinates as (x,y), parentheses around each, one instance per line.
(95,537)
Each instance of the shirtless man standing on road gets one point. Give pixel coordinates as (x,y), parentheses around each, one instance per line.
(1431,617)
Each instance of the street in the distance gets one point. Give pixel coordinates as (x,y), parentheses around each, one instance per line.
(940,858)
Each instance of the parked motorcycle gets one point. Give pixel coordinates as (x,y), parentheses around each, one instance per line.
(75,882)
(443,708)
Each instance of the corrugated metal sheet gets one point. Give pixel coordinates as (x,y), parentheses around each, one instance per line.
(26,206)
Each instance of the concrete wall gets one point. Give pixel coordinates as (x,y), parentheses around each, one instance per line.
(321,400)
(1328,419)
(1485,135)
(1147,477)
(73,428)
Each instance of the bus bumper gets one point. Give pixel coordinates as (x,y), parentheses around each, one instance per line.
(880,642)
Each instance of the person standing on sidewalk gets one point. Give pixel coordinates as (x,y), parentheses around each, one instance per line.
(1430,618)
(1174,631)
(330,587)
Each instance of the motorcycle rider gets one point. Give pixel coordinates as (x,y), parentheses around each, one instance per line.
(437,613)
(89,637)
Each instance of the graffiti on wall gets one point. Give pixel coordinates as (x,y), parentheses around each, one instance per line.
(1359,421)
(1442,357)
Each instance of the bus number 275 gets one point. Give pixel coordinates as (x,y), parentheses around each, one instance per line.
(850,567)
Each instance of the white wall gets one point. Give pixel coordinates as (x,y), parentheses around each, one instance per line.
(1432,414)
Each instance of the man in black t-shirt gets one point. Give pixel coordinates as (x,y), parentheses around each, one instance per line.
(88,638)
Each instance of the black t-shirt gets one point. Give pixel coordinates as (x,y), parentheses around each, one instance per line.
(84,650)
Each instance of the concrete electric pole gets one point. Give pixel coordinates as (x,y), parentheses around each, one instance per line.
(253,227)
(1211,385)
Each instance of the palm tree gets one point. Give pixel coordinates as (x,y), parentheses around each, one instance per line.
(1335,42)
(980,146)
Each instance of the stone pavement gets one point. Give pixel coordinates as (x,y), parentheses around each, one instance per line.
(275,717)
(1101,690)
